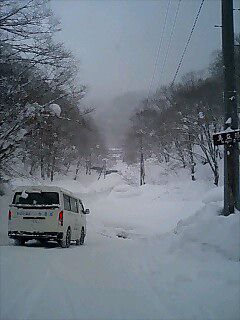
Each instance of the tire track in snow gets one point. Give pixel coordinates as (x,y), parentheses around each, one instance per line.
(4,314)
(60,287)
(67,297)
(162,290)
(33,299)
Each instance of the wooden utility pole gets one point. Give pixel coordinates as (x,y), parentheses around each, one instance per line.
(231,151)
(141,132)
(142,169)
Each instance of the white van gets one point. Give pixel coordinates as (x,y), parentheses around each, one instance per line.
(46,213)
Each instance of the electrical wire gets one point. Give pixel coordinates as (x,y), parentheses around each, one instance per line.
(158,51)
(187,43)
(169,42)
(149,92)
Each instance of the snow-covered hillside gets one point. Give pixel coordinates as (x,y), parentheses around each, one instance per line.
(160,251)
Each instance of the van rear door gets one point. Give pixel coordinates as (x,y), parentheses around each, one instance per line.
(35,211)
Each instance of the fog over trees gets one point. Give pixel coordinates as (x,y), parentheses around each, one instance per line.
(114,117)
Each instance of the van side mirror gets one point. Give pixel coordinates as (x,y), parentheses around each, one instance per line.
(87,211)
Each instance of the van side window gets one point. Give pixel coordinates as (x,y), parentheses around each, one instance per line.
(74,205)
(66,200)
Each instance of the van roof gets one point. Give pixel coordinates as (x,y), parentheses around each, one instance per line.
(44,189)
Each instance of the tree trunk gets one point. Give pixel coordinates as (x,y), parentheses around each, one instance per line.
(49,170)
(52,169)
(193,171)
(180,153)
(192,163)
(42,168)
(32,168)
(77,170)
(216,177)
(142,170)
(68,167)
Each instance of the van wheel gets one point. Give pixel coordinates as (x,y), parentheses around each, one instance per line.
(19,242)
(80,241)
(65,243)
(43,241)
(82,237)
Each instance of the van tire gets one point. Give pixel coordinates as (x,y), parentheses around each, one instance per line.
(65,243)
(43,242)
(19,242)
(80,241)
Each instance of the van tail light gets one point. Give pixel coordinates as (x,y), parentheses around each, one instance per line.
(9,215)
(60,217)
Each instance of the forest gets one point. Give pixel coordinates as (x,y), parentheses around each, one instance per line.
(177,121)
(44,125)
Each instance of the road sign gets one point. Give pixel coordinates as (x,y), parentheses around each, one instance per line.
(226,137)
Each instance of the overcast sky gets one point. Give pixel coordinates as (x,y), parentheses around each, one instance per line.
(116,41)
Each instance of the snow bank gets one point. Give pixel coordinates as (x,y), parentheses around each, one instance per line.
(71,185)
(214,195)
(145,211)
(107,184)
(62,181)
(211,231)
(126,191)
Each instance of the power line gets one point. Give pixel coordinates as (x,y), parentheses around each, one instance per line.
(142,171)
(170,41)
(187,43)
(158,50)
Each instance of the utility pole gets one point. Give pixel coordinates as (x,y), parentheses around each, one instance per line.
(231,152)
(141,132)
(142,169)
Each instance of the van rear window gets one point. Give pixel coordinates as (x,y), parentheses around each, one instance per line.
(36,198)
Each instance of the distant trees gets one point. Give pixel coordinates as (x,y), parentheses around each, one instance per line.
(37,72)
(178,121)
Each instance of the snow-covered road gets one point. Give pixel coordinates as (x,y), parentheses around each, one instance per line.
(156,271)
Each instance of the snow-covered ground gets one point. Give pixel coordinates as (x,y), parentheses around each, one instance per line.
(160,251)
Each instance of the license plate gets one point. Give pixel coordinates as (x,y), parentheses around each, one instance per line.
(35,214)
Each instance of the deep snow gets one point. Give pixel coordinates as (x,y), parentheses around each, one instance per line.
(152,252)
